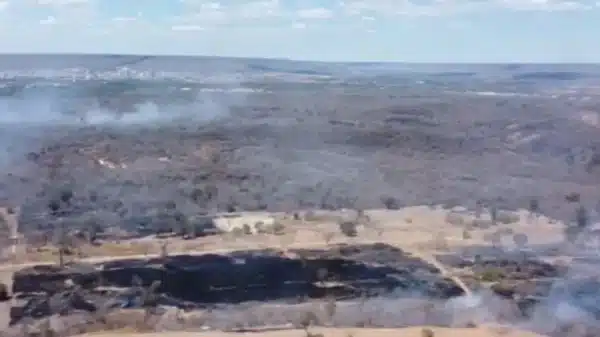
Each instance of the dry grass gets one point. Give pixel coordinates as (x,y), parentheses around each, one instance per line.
(123,249)
(428,230)
(354,332)
(50,253)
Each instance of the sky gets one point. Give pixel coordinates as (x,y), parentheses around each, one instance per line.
(326,30)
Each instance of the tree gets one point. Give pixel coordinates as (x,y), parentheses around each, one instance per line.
(54,207)
(4,295)
(91,231)
(534,205)
(164,249)
(66,195)
(571,233)
(191,232)
(496,239)
(494,214)
(171,205)
(520,240)
(581,217)
(534,208)
(149,300)
(63,243)
(180,223)
(390,202)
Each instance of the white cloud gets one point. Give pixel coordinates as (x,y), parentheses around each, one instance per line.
(362,8)
(124,19)
(315,13)
(299,25)
(127,19)
(186,28)
(74,13)
(543,5)
(208,14)
(211,5)
(203,15)
(61,2)
(274,15)
(50,20)
(252,8)
(375,8)
(200,3)
(260,9)
(265,27)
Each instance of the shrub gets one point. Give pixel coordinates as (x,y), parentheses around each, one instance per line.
(390,203)
(466,235)
(491,275)
(571,233)
(349,228)
(581,217)
(278,228)
(494,214)
(426,332)
(520,240)
(534,205)
(455,219)
(4,295)
(573,197)
(481,223)
(506,217)
(440,242)
(330,308)
(328,237)
(307,319)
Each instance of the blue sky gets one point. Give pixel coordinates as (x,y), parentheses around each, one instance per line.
(345,30)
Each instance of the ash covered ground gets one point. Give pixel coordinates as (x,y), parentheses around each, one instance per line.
(129,135)
(135,142)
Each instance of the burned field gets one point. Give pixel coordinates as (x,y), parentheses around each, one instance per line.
(193,282)
(368,285)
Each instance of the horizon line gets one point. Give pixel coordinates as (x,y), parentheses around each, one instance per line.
(299,60)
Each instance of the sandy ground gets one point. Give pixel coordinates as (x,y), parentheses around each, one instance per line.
(333,332)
